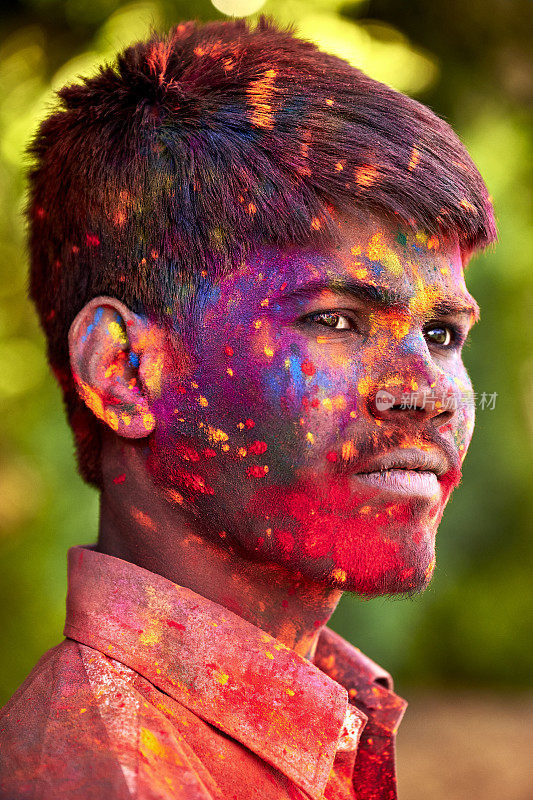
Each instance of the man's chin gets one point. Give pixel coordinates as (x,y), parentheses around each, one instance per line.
(377,572)
(404,582)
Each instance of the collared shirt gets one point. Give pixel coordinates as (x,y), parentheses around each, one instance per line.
(158,692)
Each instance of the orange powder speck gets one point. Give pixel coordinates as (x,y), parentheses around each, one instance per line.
(415,158)
(433,243)
(339,575)
(467,205)
(329,101)
(366,175)
(216,435)
(316,224)
(203,401)
(142,518)
(252,208)
(260,94)
(268,351)
(339,166)
(348,451)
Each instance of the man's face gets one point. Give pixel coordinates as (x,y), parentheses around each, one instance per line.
(318,416)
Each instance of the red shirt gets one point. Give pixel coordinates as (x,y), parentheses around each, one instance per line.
(160,693)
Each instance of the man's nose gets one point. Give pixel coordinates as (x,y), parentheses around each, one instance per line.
(417,389)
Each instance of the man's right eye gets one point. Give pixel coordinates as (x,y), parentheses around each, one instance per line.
(337,322)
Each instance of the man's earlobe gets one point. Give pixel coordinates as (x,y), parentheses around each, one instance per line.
(110,352)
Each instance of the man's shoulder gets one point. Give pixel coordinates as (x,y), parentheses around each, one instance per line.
(51,734)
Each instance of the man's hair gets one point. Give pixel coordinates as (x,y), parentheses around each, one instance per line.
(154,178)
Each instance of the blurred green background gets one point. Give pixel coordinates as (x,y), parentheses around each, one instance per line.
(471,62)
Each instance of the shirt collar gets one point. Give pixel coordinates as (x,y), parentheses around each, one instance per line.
(287,710)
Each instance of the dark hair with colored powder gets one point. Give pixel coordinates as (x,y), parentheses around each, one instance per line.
(163,171)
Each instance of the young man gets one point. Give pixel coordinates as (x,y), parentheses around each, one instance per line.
(247,258)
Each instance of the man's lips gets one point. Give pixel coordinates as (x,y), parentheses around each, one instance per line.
(409,483)
(410,459)
(408,472)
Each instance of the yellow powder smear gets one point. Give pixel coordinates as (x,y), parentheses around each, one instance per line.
(378,250)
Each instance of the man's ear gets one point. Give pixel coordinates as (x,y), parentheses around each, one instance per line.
(113,360)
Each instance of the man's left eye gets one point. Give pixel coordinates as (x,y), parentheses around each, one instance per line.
(442,335)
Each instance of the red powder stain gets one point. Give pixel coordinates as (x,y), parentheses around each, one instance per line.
(308,368)
(257,448)
(92,240)
(209,453)
(407,573)
(196,483)
(120,478)
(257,471)
(286,542)
(228,350)
(285,603)
(315,402)
(177,625)
(331,456)
(249,423)
(189,454)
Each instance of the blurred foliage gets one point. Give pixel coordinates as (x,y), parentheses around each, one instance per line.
(471,63)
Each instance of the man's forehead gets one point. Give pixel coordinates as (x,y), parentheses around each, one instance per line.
(391,258)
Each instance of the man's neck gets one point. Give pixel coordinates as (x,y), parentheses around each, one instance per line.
(138,525)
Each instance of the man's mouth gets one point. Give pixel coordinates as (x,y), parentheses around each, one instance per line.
(408,472)
(411,482)
(410,459)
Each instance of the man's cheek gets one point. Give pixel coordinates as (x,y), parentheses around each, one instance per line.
(464,429)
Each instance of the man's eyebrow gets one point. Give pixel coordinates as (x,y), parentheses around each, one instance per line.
(383,296)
